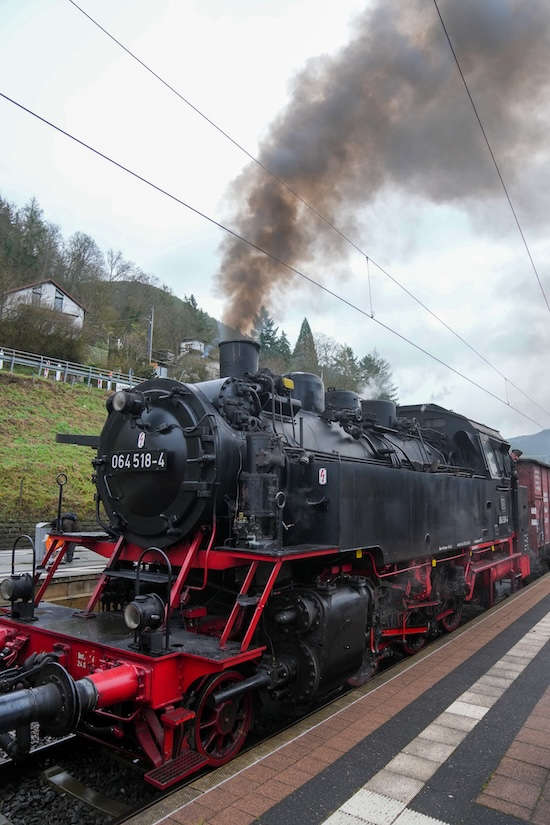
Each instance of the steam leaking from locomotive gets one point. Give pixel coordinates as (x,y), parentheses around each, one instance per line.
(388,110)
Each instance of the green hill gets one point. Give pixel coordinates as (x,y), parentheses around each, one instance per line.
(32,411)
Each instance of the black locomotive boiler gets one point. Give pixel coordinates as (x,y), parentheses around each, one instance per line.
(267,542)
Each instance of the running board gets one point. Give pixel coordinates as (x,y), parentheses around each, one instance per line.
(176,769)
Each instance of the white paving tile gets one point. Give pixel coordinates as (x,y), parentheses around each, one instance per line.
(495,681)
(388,783)
(409,817)
(487,690)
(530,648)
(511,667)
(435,751)
(342,818)
(456,722)
(480,699)
(466,709)
(416,767)
(373,807)
(503,672)
(520,661)
(443,734)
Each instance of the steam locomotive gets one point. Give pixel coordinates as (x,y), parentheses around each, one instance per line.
(267,543)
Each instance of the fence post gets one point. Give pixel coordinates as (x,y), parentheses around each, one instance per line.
(66,371)
(1,359)
(12,360)
(40,366)
(90,377)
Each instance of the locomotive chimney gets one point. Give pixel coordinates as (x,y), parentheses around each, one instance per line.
(238,357)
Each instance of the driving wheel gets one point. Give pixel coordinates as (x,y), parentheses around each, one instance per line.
(221,730)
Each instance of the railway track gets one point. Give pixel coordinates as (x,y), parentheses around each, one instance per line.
(83,782)
(75,781)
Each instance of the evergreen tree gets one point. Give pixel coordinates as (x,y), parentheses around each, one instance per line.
(31,240)
(275,353)
(346,367)
(376,377)
(304,357)
(265,333)
(283,347)
(370,376)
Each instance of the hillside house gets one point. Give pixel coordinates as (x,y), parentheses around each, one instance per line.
(192,346)
(46,294)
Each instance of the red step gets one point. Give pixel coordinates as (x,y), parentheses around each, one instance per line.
(176,769)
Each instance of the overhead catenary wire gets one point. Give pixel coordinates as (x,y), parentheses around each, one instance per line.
(308,205)
(265,252)
(492,154)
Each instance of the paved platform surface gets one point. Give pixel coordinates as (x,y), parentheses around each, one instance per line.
(457,735)
(84,562)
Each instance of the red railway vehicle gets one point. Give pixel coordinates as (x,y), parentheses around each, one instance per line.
(534,475)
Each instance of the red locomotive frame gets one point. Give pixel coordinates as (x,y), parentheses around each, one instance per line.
(164,701)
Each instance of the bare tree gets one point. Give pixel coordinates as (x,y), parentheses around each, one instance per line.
(117,268)
(83,260)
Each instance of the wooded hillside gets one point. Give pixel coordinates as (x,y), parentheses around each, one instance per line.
(119,298)
(117,294)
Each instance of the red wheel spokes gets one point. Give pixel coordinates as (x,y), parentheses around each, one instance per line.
(220,730)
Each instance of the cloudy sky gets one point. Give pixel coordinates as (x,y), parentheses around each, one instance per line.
(360,107)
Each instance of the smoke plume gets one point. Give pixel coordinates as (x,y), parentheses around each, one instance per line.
(389,110)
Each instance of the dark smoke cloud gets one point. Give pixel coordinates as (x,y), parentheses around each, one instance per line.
(389,111)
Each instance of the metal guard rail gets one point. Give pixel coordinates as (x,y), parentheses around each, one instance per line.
(62,370)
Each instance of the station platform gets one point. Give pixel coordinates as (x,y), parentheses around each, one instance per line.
(459,734)
(84,562)
(73,582)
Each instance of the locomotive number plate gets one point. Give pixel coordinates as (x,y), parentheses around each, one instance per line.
(134,461)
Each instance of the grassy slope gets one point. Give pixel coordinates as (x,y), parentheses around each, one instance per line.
(32,411)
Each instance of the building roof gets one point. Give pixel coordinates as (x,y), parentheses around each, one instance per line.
(47,281)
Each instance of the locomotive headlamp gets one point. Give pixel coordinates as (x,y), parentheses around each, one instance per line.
(128,402)
(144,613)
(17,588)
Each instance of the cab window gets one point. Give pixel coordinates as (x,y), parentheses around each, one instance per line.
(493,456)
